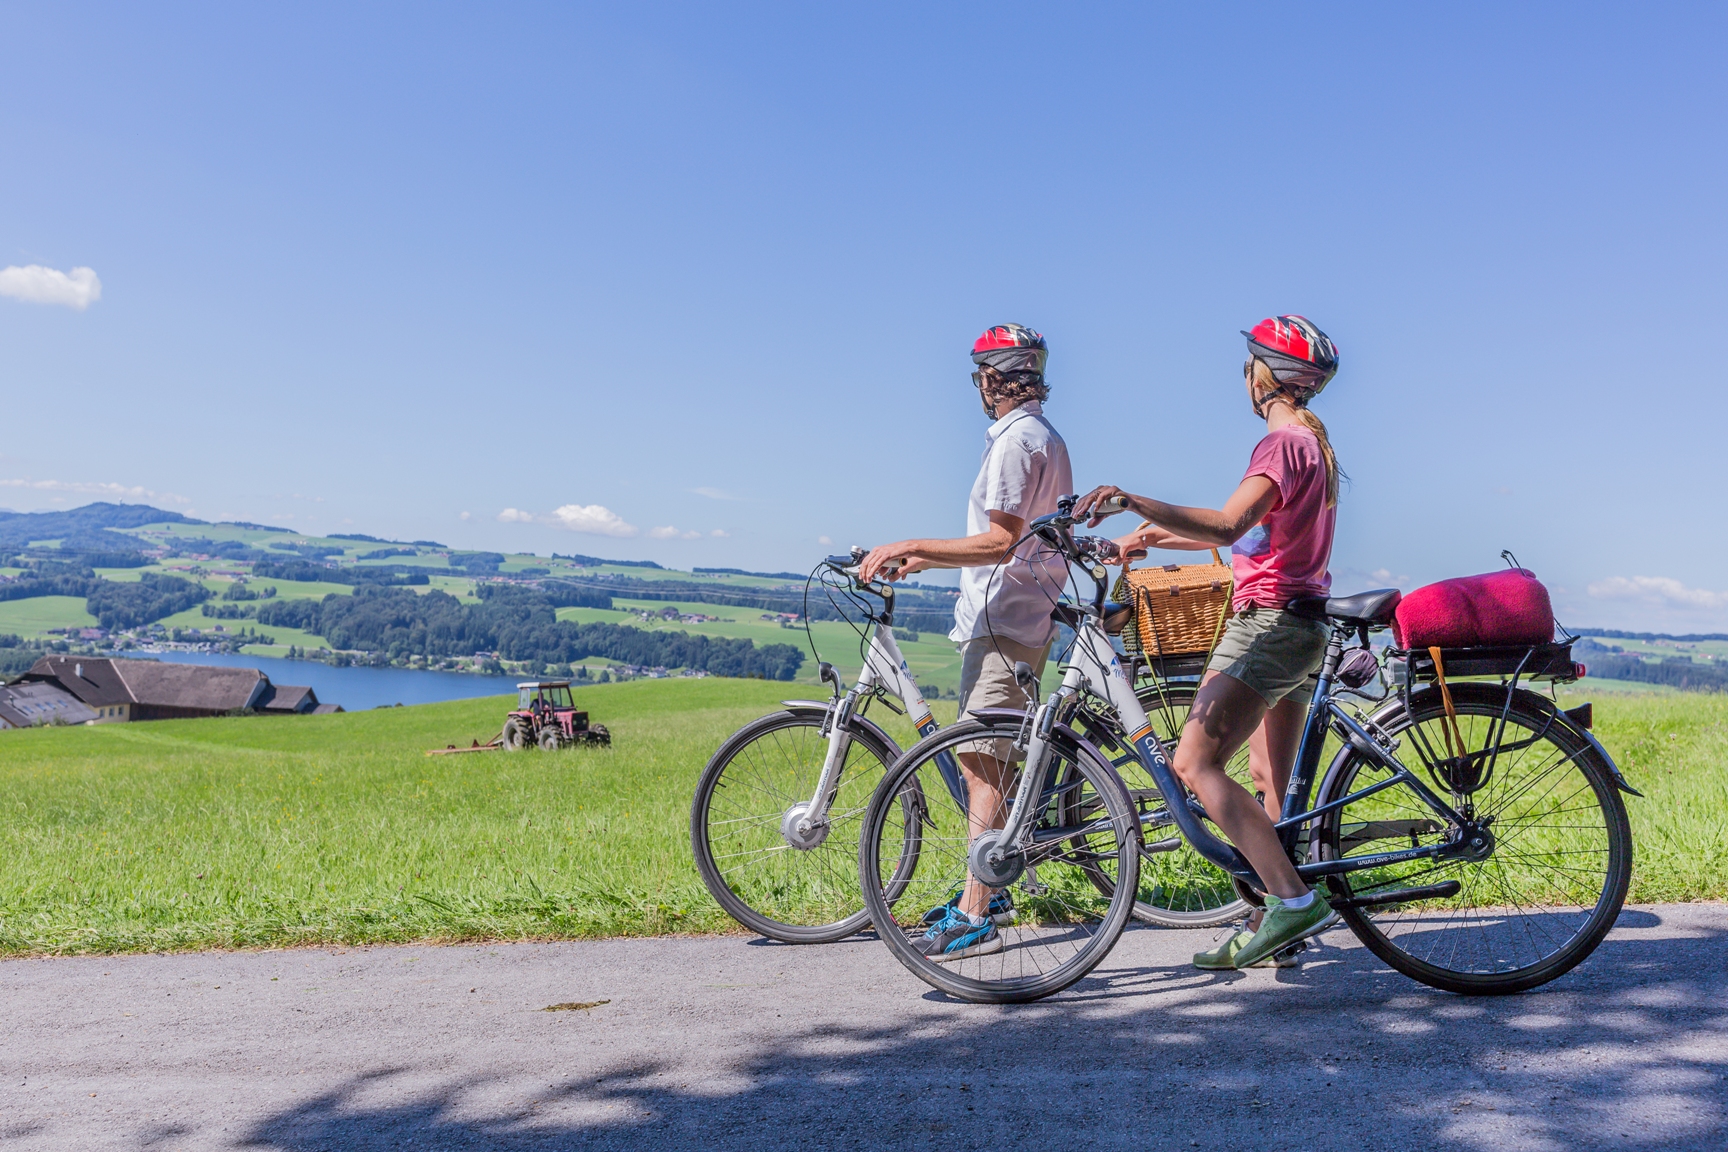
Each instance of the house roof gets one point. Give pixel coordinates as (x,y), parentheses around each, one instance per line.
(287,698)
(99,680)
(22,705)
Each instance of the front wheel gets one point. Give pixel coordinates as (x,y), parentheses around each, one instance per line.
(1546,881)
(1061,923)
(802,890)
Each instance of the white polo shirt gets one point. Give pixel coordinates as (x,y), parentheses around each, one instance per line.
(1025,471)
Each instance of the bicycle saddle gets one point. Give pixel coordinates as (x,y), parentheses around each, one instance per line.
(1116,617)
(1366,609)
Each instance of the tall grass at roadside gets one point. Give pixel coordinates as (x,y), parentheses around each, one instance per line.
(338,829)
(1673,747)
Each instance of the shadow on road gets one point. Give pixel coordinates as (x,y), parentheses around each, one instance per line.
(1628,1052)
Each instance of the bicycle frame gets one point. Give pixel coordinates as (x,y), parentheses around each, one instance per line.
(884,670)
(1094,666)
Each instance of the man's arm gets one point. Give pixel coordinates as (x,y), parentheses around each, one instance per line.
(987,547)
(1208,527)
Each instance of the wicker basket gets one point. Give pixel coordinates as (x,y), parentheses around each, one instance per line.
(1178,608)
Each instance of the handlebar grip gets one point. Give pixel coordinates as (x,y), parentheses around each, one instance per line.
(1111,506)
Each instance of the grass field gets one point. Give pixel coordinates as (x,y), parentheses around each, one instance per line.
(39,614)
(338,829)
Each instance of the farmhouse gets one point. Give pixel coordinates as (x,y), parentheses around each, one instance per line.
(117,691)
(27,705)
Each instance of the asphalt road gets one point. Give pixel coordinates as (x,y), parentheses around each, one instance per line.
(729,1043)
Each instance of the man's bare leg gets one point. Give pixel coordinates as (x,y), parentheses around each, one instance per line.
(987,808)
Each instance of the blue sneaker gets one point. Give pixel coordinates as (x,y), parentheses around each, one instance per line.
(1000,910)
(955,937)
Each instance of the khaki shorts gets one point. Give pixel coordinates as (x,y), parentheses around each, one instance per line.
(987,681)
(1273,651)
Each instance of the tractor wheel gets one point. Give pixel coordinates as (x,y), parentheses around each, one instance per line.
(598,736)
(517,735)
(550,738)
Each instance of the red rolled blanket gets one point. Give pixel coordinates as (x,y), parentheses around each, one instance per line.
(1506,607)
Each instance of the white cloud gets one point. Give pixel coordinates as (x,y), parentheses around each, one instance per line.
(668,532)
(1660,590)
(823,540)
(719,532)
(594,519)
(714,493)
(88,488)
(512,516)
(465,516)
(77,289)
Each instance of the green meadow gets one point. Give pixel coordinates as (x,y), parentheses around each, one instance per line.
(339,829)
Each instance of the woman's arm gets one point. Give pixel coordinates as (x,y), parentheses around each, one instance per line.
(1204,527)
(1135,545)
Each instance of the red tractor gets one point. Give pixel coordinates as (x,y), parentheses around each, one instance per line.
(546,717)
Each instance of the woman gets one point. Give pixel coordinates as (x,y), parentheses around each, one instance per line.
(1257,685)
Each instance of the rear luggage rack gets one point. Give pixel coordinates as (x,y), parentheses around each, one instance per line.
(1529,662)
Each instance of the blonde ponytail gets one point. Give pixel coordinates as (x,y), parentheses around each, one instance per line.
(1264,384)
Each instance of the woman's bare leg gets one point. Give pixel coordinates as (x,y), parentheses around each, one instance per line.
(1272,752)
(1225,714)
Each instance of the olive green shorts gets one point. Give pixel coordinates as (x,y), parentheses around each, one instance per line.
(1273,651)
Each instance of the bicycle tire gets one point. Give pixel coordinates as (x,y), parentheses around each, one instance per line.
(1060,916)
(808,896)
(1559,869)
(1178,887)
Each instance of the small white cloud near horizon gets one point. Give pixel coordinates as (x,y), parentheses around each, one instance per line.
(714,493)
(668,532)
(90,488)
(719,532)
(593,519)
(512,516)
(1660,590)
(35,284)
(466,516)
(823,540)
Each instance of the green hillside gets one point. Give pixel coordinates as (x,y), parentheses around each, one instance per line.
(340,830)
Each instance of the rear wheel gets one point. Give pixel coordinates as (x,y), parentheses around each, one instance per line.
(1549,878)
(517,735)
(1063,922)
(802,890)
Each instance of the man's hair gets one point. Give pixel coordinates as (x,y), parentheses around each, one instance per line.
(1017,387)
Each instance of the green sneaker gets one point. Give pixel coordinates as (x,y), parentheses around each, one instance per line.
(1223,956)
(1282,926)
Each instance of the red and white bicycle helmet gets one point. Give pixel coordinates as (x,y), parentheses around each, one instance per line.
(1011,348)
(1302,358)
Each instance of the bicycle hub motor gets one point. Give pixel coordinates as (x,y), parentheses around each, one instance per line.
(797,829)
(993,862)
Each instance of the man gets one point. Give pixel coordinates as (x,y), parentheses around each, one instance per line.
(1003,614)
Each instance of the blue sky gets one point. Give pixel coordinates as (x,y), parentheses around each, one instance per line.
(705,277)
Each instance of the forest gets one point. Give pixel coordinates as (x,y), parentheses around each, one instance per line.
(518,624)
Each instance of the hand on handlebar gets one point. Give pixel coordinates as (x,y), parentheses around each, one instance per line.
(1104,500)
(889,562)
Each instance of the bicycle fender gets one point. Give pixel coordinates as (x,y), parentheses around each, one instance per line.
(867,725)
(1579,730)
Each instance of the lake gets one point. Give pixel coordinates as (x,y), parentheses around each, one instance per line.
(352,687)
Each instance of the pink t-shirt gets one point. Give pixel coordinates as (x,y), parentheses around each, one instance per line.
(1285,555)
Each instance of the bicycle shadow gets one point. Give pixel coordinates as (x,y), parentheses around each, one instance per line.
(1630,1051)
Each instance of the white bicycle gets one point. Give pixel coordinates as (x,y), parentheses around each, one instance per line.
(774,824)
